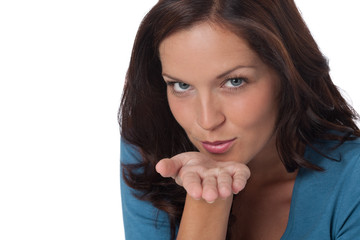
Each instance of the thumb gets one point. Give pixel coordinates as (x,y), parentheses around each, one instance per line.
(168,167)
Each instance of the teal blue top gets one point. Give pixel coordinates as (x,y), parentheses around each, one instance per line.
(324,205)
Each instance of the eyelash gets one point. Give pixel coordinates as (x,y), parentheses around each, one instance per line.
(234,88)
(171,85)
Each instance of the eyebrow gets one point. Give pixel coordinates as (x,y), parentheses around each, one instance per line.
(218,77)
(233,69)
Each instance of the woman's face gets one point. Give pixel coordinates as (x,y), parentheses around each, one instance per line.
(220,92)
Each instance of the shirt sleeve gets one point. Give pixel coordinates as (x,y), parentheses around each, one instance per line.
(349,209)
(141,219)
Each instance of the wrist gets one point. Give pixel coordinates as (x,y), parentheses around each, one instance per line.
(203,220)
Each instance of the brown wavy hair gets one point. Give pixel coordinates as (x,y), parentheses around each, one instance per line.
(310,105)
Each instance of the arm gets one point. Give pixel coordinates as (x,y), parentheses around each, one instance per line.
(203,220)
(348,220)
(141,220)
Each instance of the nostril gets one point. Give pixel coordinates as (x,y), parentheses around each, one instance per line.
(210,114)
(211,121)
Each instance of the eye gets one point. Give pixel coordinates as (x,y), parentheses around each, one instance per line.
(234,82)
(180,86)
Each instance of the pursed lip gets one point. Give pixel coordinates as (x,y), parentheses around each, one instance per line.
(218,147)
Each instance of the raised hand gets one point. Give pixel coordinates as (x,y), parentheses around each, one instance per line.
(203,177)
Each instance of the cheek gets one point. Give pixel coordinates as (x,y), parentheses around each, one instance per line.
(257,112)
(180,110)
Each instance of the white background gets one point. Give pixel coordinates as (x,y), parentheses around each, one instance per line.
(62,66)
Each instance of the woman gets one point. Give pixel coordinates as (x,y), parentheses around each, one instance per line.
(220,90)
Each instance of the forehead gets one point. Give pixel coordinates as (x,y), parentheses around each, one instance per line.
(205,44)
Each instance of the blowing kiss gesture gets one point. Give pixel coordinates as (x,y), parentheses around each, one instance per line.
(203,177)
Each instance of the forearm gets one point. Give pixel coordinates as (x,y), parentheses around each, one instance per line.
(202,220)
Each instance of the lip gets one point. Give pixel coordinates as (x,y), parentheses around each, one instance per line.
(218,147)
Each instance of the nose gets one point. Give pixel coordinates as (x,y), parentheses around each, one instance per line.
(210,115)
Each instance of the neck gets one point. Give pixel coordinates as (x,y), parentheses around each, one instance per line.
(267,167)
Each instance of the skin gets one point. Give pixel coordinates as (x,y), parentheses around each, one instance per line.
(213,108)
(220,90)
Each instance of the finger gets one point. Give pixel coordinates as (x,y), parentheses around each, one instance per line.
(240,179)
(224,183)
(191,181)
(168,167)
(210,192)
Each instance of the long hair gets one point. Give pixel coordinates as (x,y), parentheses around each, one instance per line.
(310,105)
